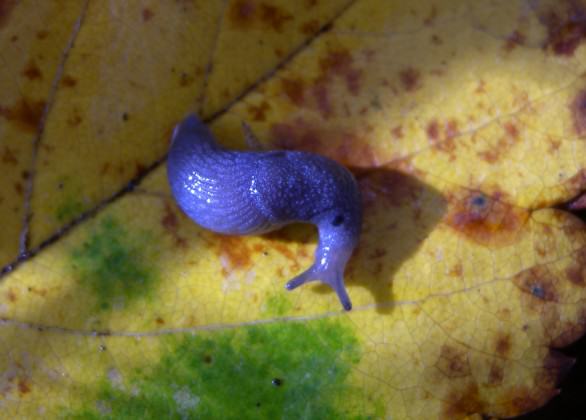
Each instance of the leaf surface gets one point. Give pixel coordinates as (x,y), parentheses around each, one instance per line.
(463,122)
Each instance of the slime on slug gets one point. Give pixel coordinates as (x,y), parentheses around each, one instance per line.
(252,192)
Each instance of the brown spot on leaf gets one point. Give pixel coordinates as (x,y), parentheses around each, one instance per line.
(18,188)
(6,7)
(410,79)
(241,12)
(511,129)
(495,374)
(23,386)
(245,13)
(43,34)
(233,252)
(25,114)
(504,144)
(147,14)
(453,362)
(389,186)
(11,296)
(441,136)
(310,27)
(432,131)
(286,252)
(460,403)
(186,79)
(577,271)
(315,94)
(321,96)
(160,320)
(341,145)
(339,62)
(503,345)
(456,270)
(8,156)
(294,89)
(566,26)
(74,119)
(257,112)
(397,132)
(538,283)
(68,81)
(169,220)
(522,399)
(32,71)
(436,40)
(139,169)
(430,19)
(515,39)
(273,16)
(171,224)
(481,88)
(578,111)
(485,219)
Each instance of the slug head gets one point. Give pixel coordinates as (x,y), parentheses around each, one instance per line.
(338,236)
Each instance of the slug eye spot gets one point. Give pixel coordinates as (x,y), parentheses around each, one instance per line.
(338,220)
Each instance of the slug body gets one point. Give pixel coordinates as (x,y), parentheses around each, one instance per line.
(252,192)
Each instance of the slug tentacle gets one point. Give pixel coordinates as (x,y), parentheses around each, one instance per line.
(253,192)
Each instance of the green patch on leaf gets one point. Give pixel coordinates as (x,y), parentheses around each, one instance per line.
(278,305)
(69,210)
(285,370)
(112,263)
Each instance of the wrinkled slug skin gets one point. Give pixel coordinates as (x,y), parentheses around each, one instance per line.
(241,193)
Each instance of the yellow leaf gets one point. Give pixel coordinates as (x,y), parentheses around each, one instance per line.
(464,123)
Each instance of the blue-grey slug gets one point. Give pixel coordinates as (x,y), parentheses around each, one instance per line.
(252,192)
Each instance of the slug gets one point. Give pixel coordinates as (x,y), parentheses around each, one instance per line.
(253,192)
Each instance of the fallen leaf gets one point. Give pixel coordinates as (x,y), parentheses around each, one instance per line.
(464,123)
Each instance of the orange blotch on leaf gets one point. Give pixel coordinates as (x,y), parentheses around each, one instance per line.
(8,156)
(257,112)
(453,362)
(32,71)
(343,146)
(26,114)
(484,219)
(576,273)
(515,39)
(147,14)
(578,111)
(245,14)
(234,253)
(68,81)
(410,79)
(294,89)
(339,62)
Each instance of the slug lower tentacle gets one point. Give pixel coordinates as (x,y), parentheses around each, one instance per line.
(252,192)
